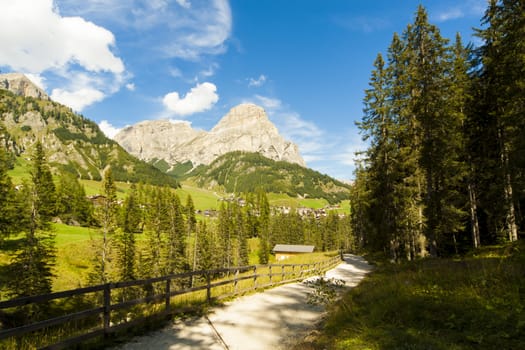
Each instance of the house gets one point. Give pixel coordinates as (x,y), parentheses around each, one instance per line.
(284,251)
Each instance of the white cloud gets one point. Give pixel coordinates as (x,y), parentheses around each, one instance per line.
(453,13)
(268,102)
(108,129)
(175,72)
(37,79)
(36,39)
(200,98)
(297,127)
(182,28)
(362,23)
(257,82)
(210,71)
(184,3)
(201,29)
(77,99)
(130,86)
(460,10)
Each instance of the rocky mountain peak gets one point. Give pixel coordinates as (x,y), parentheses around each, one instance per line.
(245,127)
(20,85)
(243,113)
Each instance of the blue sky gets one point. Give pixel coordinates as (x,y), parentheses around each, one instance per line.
(307,62)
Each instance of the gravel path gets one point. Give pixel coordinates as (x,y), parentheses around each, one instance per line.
(272,319)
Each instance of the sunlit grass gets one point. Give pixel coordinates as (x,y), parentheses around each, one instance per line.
(473,303)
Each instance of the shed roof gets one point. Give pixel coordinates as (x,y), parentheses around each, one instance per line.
(293,248)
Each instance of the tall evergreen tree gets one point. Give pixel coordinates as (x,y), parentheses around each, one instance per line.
(156,226)
(175,243)
(107,215)
(72,203)
(129,223)
(225,236)
(31,268)
(7,198)
(191,221)
(500,83)
(264,227)
(440,126)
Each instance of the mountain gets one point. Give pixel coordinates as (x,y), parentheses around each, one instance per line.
(240,172)
(20,85)
(73,143)
(246,127)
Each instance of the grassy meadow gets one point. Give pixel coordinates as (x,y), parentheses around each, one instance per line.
(476,302)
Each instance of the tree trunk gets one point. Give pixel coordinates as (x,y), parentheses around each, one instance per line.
(474,215)
(512,228)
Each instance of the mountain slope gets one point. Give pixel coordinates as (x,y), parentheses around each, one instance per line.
(245,172)
(245,128)
(72,142)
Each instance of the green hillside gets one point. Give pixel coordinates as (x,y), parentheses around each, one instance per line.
(72,143)
(238,172)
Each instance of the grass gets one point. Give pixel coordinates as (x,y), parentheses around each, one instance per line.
(202,199)
(477,302)
(74,252)
(20,172)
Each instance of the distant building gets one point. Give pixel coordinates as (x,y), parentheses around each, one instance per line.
(284,251)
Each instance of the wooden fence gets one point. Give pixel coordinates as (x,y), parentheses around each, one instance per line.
(62,319)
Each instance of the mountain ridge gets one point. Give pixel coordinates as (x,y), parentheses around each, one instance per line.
(73,143)
(245,127)
(238,172)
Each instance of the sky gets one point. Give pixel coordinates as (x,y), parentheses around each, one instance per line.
(306,62)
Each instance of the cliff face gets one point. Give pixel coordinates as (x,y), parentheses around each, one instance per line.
(245,128)
(20,85)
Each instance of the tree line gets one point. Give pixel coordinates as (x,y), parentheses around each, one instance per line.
(149,233)
(445,164)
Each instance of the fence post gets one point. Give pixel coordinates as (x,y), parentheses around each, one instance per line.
(270,274)
(107,308)
(282,273)
(235,281)
(168,296)
(208,287)
(255,277)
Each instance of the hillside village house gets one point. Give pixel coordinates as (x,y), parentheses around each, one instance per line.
(284,251)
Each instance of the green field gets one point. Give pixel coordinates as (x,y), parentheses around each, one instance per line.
(476,302)
(74,251)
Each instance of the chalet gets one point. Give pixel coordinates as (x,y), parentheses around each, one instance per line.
(284,251)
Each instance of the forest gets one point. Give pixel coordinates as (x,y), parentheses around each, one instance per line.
(149,233)
(444,122)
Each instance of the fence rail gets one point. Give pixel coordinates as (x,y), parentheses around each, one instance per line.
(109,307)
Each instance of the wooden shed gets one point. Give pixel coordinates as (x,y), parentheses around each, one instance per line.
(284,251)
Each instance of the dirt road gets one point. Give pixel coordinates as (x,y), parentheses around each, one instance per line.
(272,319)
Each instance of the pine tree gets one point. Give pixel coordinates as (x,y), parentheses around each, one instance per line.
(377,127)
(208,249)
(129,223)
(44,191)
(175,243)
(31,268)
(440,124)
(264,227)
(225,236)
(107,214)
(156,226)
(500,83)
(7,199)
(190,215)
(241,236)
(72,205)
